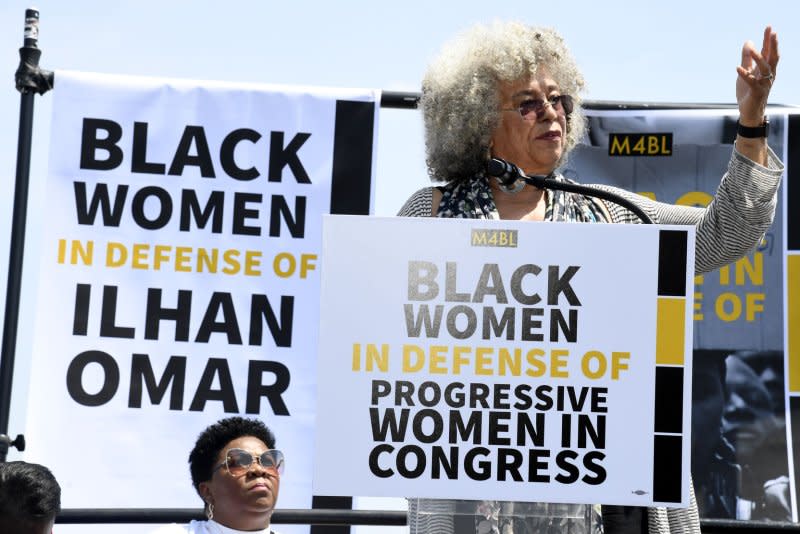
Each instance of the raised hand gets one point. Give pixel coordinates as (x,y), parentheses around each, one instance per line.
(756,76)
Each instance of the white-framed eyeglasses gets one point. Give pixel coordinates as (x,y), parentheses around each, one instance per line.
(239,461)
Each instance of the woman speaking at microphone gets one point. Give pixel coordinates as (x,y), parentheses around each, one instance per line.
(513,92)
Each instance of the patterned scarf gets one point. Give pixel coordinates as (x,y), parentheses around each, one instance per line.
(474,200)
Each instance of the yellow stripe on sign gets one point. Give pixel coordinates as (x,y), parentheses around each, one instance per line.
(793,319)
(670,331)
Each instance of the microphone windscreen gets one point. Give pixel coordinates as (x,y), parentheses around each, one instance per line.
(496,168)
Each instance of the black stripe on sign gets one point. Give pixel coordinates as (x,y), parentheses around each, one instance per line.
(352,157)
(337,503)
(672,263)
(794,415)
(667,468)
(792,185)
(669,400)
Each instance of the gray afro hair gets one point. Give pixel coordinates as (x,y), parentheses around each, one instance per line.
(460,98)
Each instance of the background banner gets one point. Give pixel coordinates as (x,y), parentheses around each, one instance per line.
(484,358)
(741,450)
(180,274)
(679,157)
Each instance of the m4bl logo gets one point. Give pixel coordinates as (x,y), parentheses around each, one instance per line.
(640,144)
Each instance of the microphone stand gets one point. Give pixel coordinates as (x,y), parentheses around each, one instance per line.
(507,174)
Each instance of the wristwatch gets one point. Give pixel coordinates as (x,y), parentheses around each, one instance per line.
(753,132)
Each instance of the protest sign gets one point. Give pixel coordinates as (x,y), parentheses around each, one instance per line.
(180,274)
(461,359)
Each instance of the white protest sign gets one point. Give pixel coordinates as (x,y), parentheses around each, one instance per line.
(180,274)
(505,360)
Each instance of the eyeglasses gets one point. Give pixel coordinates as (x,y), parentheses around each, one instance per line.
(535,108)
(239,461)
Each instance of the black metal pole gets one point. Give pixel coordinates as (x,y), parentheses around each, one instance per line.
(30,80)
(114,516)
(317,516)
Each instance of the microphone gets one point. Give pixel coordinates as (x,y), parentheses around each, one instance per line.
(511,179)
(506,172)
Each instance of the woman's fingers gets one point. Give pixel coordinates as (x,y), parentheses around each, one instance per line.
(747,55)
(770,48)
(757,66)
(769,51)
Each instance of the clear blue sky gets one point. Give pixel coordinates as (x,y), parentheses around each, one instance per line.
(680,51)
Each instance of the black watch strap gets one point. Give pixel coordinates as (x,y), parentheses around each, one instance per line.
(753,132)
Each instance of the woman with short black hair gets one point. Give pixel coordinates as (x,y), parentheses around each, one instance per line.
(236,470)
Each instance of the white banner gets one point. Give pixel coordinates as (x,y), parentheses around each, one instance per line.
(180,275)
(485,359)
